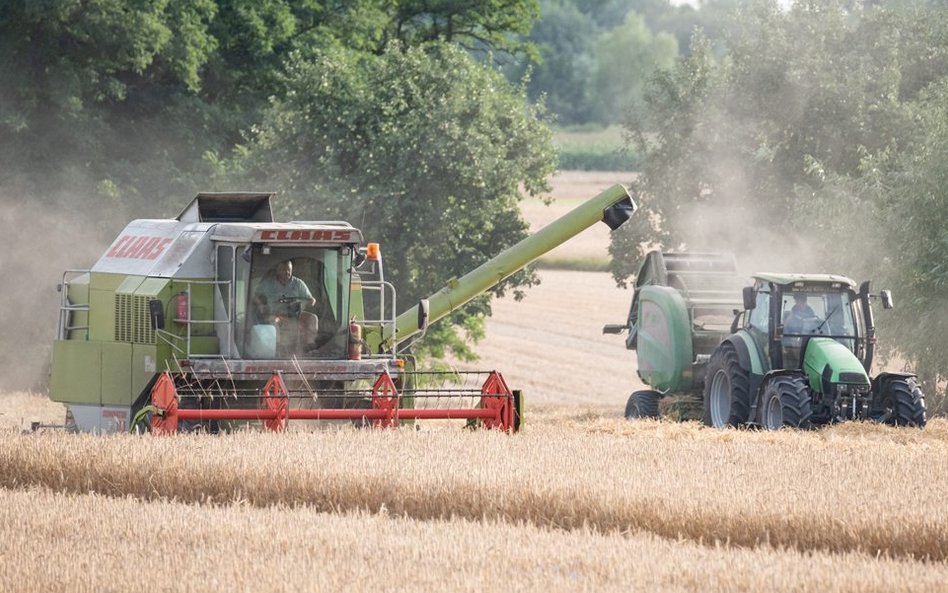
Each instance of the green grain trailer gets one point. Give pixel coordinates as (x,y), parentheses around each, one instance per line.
(681,310)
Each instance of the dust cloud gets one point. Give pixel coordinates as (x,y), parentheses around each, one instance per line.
(755,228)
(40,238)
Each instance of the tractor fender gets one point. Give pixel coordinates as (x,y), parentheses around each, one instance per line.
(882,378)
(749,359)
(747,353)
(781,372)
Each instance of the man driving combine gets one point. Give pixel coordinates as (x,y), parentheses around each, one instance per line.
(282,296)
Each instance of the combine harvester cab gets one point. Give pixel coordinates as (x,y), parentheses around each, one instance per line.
(681,310)
(179,326)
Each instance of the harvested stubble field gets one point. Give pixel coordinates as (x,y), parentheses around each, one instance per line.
(581,500)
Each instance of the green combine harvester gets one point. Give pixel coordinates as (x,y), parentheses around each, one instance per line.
(794,350)
(221,316)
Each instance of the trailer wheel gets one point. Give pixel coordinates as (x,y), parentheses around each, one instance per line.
(786,402)
(900,402)
(726,389)
(642,404)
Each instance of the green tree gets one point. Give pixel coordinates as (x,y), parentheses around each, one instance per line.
(71,71)
(423,148)
(561,76)
(124,98)
(624,58)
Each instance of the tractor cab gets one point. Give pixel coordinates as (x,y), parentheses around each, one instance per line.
(786,311)
(815,310)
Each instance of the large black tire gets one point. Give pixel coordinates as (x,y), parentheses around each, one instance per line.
(786,402)
(642,404)
(900,402)
(726,389)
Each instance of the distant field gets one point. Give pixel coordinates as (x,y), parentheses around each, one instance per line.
(590,149)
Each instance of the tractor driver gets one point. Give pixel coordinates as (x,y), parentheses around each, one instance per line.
(282,296)
(800,312)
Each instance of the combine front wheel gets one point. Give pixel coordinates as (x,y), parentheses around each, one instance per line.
(900,403)
(642,404)
(726,389)
(786,402)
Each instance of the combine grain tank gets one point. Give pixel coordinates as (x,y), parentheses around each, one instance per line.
(186,323)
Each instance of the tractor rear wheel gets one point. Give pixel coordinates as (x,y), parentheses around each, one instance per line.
(726,389)
(900,403)
(642,404)
(786,402)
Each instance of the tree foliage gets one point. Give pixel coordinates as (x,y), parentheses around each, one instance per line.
(593,56)
(811,144)
(125,98)
(423,148)
(624,58)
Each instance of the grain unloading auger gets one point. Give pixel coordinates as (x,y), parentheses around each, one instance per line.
(194,322)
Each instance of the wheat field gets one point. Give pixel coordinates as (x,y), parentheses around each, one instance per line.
(580,500)
(577,501)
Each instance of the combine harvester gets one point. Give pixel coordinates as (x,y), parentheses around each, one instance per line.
(172,329)
(794,350)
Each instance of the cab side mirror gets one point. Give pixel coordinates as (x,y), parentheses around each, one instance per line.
(750,298)
(886,296)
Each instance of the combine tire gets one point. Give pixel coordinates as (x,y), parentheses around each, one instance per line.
(786,402)
(642,404)
(726,389)
(900,403)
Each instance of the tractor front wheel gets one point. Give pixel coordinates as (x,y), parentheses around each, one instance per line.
(642,404)
(786,402)
(726,389)
(900,403)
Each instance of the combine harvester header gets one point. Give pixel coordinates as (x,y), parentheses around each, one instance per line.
(223,315)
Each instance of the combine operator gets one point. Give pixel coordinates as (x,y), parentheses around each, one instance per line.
(280,300)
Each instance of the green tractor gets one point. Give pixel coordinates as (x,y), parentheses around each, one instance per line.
(800,354)
(795,351)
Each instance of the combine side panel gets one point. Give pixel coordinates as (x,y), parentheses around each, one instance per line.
(76,375)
